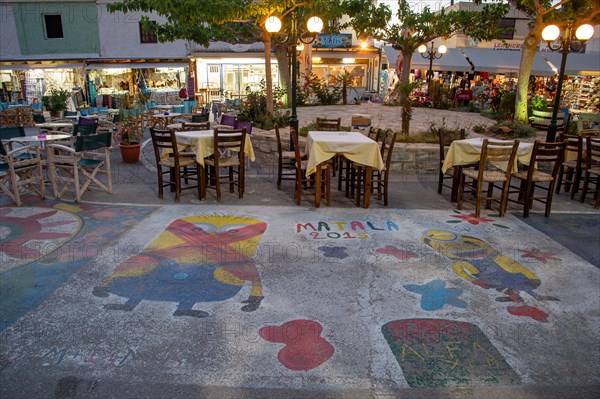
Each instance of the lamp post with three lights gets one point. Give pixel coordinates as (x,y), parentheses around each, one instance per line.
(295,39)
(432,54)
(566,44)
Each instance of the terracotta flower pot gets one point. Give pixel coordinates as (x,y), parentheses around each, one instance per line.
(130,152)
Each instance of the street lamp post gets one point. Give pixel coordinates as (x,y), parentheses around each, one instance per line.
(566,44)
(295,39)
(431,55)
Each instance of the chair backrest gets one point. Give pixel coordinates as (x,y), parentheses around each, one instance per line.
(237,124)
(592,152)
(446,138)
(7,133)
(164,142)
(228,120)
(297,154)
(573,148)
(387,148)
(200,117)
(546,157)
(329,124)
(38,118)
(195,126)
(278,137)
(92,141)
(87,121)
(70,113)
(85,130)
(228,140)
(494,153)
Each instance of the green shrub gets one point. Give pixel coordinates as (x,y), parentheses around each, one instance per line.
(254,108)
(506,108)
(515,130)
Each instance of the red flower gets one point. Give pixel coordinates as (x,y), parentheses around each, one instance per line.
(472,219)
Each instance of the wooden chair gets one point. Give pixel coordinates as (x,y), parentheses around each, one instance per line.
(21,169)
(286,157)
(228,153)
(84,163)
(541,173)
(186,126)
(306,185)
(179,165)
(379,179)
(493,153)
(592,170)
(325,124)
(570,171)
(454,173)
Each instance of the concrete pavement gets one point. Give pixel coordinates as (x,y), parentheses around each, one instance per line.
(129,296)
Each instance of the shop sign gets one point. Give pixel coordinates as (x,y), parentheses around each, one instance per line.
(342,40)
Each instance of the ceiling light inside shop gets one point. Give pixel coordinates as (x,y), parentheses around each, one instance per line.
(348,60)
(316,59)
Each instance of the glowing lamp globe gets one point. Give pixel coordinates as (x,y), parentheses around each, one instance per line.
(273,24)
(442,49)
(422,48)
(584,32)
(550,33)
(314,24)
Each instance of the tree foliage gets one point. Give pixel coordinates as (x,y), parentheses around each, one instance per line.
(417,28)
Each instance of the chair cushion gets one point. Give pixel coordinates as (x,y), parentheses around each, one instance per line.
(537,176)
(488,175)
(183,161)
(224,162)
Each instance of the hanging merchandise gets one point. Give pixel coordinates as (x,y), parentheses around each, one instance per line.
(142,84)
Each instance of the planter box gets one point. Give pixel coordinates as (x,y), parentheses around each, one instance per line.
(541,119)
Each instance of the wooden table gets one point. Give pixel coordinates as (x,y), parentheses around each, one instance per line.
(163,120)
(355,146)
(201,142)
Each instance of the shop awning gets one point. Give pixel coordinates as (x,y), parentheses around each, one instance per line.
(21,67)
(577,64)
(137,65)
(505,61)
(453,60)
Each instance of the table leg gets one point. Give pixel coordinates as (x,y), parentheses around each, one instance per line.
(318,185)
(368,179)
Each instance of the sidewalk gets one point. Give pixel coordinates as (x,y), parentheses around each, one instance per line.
(129,296)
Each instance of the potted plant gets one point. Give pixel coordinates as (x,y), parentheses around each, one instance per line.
(56,101)
(129,136)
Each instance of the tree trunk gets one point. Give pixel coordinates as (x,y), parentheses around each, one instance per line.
(404,96)
(530,47)
(269,77)
(284,68)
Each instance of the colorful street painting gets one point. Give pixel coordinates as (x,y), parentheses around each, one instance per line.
(446,353)
(435,295)
(195,259)
(44,244)
(304,348)
(479,263)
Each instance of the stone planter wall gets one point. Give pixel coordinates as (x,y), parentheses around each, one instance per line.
(407,158)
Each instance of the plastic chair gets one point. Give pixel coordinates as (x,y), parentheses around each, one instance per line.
(179,165)
(493,153)
(541,173)
(200,117)
(228,153)
(228,120)
(237,124)
(84,163)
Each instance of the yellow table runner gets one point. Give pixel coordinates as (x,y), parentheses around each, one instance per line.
(201,142)
(322,146)
(468,151)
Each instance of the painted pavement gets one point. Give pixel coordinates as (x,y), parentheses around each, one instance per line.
(290,297)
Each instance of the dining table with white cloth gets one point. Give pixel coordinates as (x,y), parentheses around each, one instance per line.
(321,146)
(468,152)
(201,142)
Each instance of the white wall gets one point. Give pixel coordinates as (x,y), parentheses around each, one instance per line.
(120,38)
(9,43)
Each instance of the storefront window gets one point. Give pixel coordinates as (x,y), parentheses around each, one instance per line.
(333,69)
(235,79)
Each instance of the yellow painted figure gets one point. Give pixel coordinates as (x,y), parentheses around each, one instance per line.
(478,262)
(196,259)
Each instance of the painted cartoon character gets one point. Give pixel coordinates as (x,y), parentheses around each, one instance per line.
(478,262)
(196,259)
